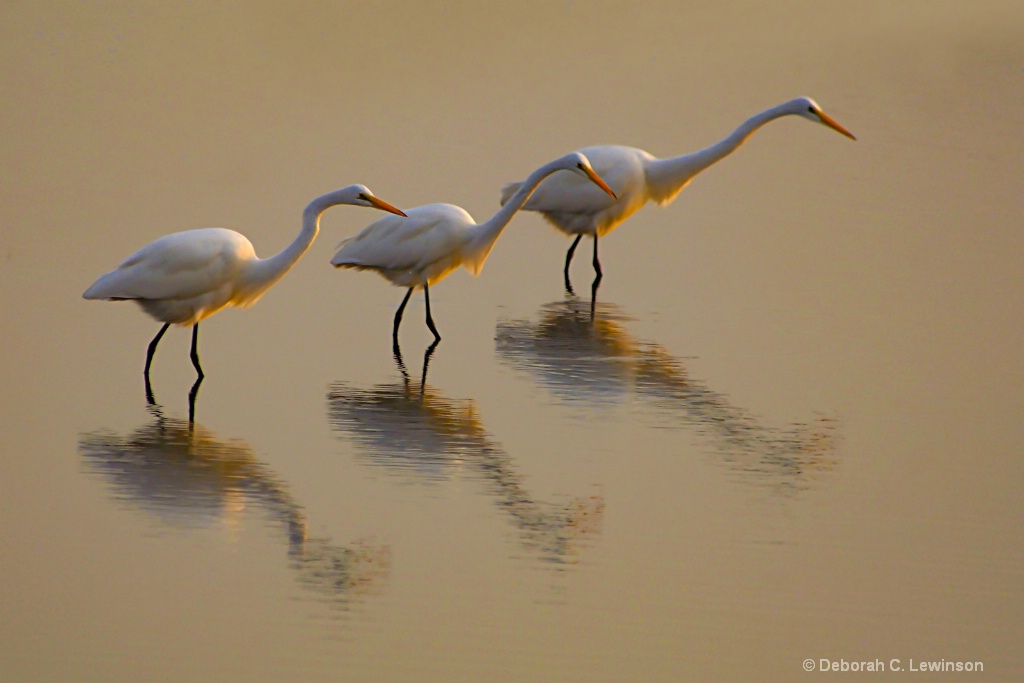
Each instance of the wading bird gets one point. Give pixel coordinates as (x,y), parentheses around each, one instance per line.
(185,277)
(435,239)
(637,177)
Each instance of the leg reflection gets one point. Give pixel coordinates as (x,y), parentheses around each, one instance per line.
(426,363)
(157,409)
(193,392)
(396,351)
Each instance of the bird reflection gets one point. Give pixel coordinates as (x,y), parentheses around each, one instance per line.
(396,351)
(416,430)
(570,293)
(192,394)
(185,475)
(583,354)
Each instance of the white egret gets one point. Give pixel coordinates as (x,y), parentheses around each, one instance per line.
(185,277)
(435,239)
(637,177)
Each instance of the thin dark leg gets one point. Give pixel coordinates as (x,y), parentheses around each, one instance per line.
(430,319)
(152,347)
(194,354)
(398,317)
(149,361)
(597,263)
(568,260)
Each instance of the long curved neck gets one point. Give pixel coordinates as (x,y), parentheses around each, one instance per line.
(487,233)
(666,177)
(263,273)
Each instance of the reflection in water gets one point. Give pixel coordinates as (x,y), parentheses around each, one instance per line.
(586,356)
(415,430)
(184,474)
(396,351)
(192,394)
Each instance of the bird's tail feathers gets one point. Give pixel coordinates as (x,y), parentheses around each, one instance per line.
(106,287)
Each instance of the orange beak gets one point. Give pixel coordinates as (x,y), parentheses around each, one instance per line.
(833,124)
(383,205)
(592,174)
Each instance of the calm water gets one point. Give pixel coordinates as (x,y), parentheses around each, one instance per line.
(789,426)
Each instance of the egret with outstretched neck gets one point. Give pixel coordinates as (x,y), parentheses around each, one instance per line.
(435,239)
(636,176)
(185,277)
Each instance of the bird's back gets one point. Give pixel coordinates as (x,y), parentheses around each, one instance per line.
(407,250)
(575,205)
(191,272)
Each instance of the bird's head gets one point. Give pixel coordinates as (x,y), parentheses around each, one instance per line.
(809,109)
(579,163)
(360,195)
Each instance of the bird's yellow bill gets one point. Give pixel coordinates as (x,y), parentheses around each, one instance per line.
(383,205)
(592,174)
(834,125)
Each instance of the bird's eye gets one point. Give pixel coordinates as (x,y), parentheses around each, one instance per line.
(363,197)
(811,109)
(580,165)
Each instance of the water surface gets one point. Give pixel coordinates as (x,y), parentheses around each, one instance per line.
(788,427)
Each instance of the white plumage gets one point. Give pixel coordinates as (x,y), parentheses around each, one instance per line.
(185,277)
(435,239)
(637,177)
(427,245)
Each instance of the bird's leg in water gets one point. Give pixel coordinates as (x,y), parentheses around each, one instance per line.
(398,317)
(194,353)
(596,283)
(149,361)
(430,319)
(568,260)
(150,399)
